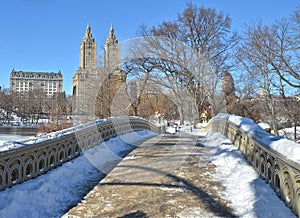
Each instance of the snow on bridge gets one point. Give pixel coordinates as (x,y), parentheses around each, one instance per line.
(54,193)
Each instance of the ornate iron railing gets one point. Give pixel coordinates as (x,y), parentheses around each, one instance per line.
(31,160)
(280,172)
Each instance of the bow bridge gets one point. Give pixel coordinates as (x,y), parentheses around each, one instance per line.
(29,160)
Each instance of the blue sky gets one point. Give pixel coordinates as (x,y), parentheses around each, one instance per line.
(45,35)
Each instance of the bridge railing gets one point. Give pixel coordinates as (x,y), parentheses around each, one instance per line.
(31,160)
(280,172)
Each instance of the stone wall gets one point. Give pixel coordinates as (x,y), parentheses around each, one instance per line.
(28,162)
(281,173)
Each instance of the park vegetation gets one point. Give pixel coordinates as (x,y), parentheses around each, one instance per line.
(195,64)
(201,65)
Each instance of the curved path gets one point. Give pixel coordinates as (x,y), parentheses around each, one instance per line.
(167,176)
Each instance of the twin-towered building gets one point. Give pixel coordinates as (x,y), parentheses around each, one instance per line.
(94,87)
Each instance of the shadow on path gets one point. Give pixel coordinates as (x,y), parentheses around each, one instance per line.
(214,206)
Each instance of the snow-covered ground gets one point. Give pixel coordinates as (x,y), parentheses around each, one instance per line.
(286,147)
(52,194)
(250,196)
(9,141)
(14,141)
(11,137)
(289,133)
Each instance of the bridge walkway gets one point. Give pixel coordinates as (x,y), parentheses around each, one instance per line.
(166,176)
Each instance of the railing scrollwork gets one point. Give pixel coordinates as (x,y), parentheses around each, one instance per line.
(280,172)
(27,162)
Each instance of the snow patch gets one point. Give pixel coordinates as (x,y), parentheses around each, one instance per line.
(287,148)
(250,196)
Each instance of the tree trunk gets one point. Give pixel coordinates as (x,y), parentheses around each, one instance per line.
(295,131)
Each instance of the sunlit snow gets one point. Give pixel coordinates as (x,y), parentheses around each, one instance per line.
(286,147)
(54,193)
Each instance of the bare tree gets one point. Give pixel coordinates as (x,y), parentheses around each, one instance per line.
(207,34)
(286,50)
(269,56)
(6,105)
(256,57)
(36,100)
(60,108)
(138,71)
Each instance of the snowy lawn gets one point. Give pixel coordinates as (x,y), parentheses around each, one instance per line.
(289,133)
(10,137)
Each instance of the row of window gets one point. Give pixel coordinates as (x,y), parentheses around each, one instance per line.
(45,87)
(46,93)
(26,89)
(36,84)
(38,76)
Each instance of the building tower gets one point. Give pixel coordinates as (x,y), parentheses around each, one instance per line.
(85,80)
(95,88)
(111,53)
(114,77)
(112,62)
(88,51)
